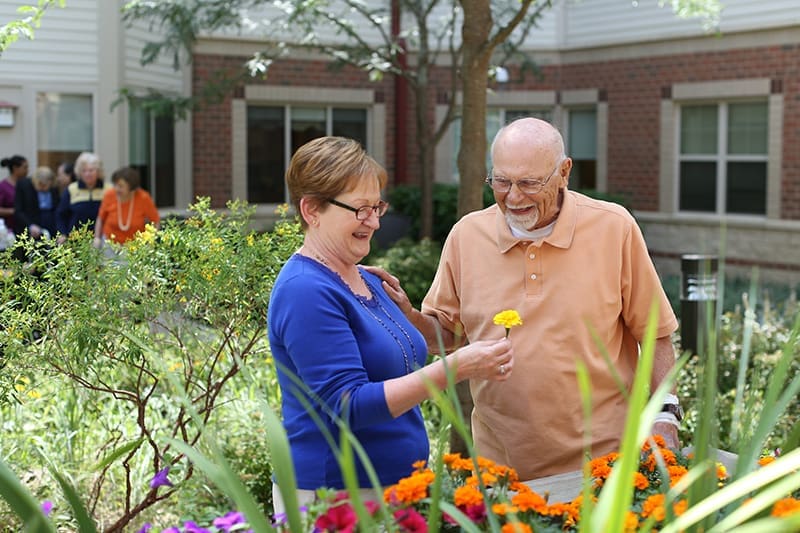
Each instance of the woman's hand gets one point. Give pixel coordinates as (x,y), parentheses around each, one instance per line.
(490,360)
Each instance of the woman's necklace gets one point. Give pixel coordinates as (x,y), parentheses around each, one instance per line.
(127,225)
(378,319)
(392,333)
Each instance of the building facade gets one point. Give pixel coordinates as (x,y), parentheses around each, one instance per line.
(698,130)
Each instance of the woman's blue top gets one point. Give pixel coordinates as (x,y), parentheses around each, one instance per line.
(333,350)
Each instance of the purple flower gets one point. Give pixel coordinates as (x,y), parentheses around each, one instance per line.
(225,523)
(172,529)
(192,527)
(160,479)
(47,506)
(145,528)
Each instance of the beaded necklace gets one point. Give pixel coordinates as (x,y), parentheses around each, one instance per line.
(374,297)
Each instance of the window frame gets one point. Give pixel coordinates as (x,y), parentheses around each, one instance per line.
(722,157)
(676,94)
(296,96)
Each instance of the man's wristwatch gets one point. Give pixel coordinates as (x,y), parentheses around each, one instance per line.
(673,408)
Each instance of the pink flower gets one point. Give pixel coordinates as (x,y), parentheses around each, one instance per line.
(411,521)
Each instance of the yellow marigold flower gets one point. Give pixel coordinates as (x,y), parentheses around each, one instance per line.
(529,501)
(20,387)
(250,240)
(516,527)
(508,319)
(34,394)
(764,461)
(175,366)
(786,507)
(722,472)
(467,495)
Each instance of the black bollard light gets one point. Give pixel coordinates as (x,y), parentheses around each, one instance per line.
(698,300)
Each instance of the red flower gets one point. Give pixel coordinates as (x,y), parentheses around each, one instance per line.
(411,521)
(339,518)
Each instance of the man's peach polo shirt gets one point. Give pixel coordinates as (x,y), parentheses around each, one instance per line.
(592,272)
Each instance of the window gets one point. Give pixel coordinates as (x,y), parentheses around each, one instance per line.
(64,127)
(723,158)
(275,132)
(582,148)
(152,153)
(495,119)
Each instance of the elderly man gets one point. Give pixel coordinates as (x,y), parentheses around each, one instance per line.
(573,267)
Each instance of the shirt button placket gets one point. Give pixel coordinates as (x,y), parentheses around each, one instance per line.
(533,268)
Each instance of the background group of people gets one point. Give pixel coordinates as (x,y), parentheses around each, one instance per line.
(51,204)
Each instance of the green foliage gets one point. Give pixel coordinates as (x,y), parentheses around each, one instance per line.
(407,199)
(9,33)
(766,340)
(414,264)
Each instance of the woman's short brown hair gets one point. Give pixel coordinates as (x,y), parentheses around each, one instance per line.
(129,175)
(327,166)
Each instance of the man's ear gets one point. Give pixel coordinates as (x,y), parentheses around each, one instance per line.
(566,168)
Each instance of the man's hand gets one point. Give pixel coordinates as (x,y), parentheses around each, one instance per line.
(670,434)
(392,287)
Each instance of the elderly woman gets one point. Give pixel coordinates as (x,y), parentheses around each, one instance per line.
(35,204)
(341,346)
(81,200)
(126,209)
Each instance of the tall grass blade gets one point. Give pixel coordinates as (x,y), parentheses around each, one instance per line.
(617,493)
(85,522)
(22,502)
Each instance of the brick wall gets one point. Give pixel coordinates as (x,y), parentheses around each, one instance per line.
(633,88)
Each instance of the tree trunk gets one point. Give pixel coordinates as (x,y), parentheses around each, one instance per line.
(474,78)
(471,155)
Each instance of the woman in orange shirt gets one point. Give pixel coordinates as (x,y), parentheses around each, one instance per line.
(125,209)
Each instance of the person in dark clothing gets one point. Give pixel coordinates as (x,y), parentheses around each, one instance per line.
(35,204)
(81,201)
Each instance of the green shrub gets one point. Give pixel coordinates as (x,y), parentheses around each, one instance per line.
(414,263)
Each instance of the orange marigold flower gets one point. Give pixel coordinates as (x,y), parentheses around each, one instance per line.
(419,465)
(667,455)
(631,521)
(517,486)
(649,463)
(676,473)
(680,507)
(467,495)
(529,501)
(413,488)
(488,479)
(600,468)
(503,509)
(654,506)
(659,440)
(786,507)
(516,527)
(764,461)
(486,464)
(640,481)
